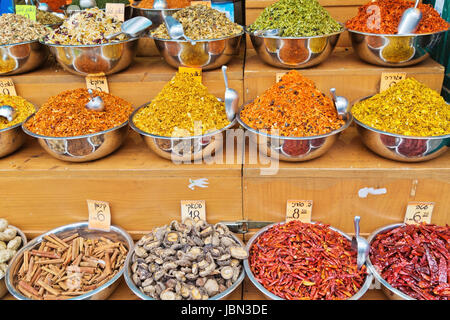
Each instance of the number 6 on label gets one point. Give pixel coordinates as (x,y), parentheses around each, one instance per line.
(99,215)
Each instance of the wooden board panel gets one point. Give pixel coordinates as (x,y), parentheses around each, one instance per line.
(138,84)
(343,70)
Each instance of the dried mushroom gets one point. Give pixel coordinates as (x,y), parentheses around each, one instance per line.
(189,260)
(10,242)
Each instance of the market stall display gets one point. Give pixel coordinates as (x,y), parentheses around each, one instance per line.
(407,122)
(70,131)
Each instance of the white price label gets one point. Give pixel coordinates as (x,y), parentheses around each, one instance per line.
(419,212)
(300,210)
(193,209)
(99,215)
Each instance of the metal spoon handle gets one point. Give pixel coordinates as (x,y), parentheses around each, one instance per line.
(417,3)
(356,223)
(111,36)
(225,78)
(333,93)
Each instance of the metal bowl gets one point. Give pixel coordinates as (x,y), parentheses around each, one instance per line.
(82,148)
(140,294)
(98,59)
(155,15)
(21,57)
(391,292)
(270,295)
(3,289)
(294,149)
(294,52)
(205,54)
(127,14)
(399,147)
(391,50)
(182,149)
(101,293)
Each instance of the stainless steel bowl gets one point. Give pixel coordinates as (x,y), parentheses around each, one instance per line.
(205,54)
(3,288)
(155,15)
(128,14)
(21,57)
(82,148)
(394,50)
(99,59)
(388,290)
(140,294)
(101,293)
(183,149)
(294,52)
(294,149)
(270,295)
(402,148)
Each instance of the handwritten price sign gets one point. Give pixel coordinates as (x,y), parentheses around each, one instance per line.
(388,79)
(99,215)
(197,72)
(7,87)
(193,209)
(419,212)
(299,210)
(115,10)
(26,11)
(99,83)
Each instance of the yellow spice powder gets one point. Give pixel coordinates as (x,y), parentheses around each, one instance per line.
(182,108)
(23,108)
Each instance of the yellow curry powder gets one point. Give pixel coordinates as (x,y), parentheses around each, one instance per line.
(23,108)
(182,108)
(408,108)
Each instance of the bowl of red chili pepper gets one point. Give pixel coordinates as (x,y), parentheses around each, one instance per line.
(411,261)
(305,261)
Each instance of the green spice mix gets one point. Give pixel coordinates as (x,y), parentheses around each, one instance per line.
(407,108)
(296,18)
(182,108)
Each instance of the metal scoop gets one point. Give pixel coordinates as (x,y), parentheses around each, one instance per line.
(340,103)
(410,20)
(87,4)
(231,98)
(175,29)
(267,33)
(7,112)
(160,4)
(360,245)
(42,6)
(96,103)
(132,27)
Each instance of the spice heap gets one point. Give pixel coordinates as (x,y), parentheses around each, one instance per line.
(66,268)
(296,18)
(189,260)
(102,3)
(383,17)
(303,261)
(89,26)
(54,5)
(172,4)
(45,17)
(10,242)
(415,259)
(294,107)
(182,108)
(16,28)
(200,23)
(65,114)
(408,108)
(23,109)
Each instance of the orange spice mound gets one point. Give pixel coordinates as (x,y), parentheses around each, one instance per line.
(383,17)
(172,4)
(294,107)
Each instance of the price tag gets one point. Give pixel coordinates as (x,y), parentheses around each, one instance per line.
(197,72)
(205,3)
(26,11)
(99,83)
(99,215)
(279,75)
(418,212)
(116,10)
(7,87)
(388,79)
(194,209)
(299,210)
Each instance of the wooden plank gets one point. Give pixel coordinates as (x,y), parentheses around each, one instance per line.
(361,79)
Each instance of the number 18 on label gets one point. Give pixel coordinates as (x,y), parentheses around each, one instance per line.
(193,209)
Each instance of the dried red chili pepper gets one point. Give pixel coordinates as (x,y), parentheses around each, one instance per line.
(414,259)
(303,261)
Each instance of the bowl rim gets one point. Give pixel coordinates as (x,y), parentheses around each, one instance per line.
(196,41)
(209,134)
(219,296)
(38,239)
(252,34)
(372,268)
(348,121)
(396,35)
(396,135)
(20,43)
(259,286)
(20,123)
(24,243)
(87,45)
(35,135)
